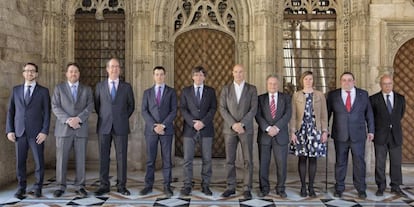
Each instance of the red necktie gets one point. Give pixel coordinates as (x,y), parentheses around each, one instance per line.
(273,106)
(348,101)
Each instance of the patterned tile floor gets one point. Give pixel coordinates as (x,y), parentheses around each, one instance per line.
(156,198)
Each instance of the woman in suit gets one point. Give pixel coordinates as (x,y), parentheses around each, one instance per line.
(308,130)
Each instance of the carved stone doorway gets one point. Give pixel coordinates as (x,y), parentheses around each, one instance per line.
(215,51)
(403,76)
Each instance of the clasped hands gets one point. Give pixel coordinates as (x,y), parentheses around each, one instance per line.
(159,129)
(238,127)
(74,122)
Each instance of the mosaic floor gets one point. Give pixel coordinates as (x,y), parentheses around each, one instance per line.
(156,198)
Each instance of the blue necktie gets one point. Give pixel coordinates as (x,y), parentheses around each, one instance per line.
(113,91)
(198,94)
(27,95)
(158,97)
(389,106)
(74,92)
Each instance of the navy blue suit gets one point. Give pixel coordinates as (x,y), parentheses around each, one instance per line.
(113,123)
(349,131)
(27,121)
(165,114)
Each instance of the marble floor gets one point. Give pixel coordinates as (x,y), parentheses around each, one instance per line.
(156,198)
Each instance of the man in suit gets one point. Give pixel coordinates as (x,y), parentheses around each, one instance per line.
(273,115)
(388,107)
(114,104)
(27,124)
(198,106)
(72,104)
(352,115)
(159,109)
(238,106)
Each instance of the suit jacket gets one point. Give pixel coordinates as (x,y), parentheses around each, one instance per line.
(204,111)
(163,114)
(281,121)
(64,106)
(114,115)
(351,124)
(31,119)
(233,112)
(319,110)
(383,119)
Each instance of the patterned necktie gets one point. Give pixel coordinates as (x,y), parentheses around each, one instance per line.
(348,101)
(158,97)
(198,95)
(113,91)
(273,106)
(74,92)
(389,106)
(27,95)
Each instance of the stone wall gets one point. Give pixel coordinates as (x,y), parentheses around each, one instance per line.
(20,42)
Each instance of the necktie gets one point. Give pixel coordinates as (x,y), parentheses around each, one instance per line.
(113,91)
(158,98)
(27,95)
(273,106)
(389,106)
(198,95)
(348,101)
(74,92)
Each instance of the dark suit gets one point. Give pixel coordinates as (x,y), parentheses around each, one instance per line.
(202,110)
(349,131)
(243,112)
(65,107)
(388,138)
(164,114)
(113,123)
(278,143)
(27,121)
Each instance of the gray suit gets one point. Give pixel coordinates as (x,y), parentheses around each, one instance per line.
(113,123)
(64,107)
(243,112)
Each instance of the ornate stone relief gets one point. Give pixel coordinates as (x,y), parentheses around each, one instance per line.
(100,5)
(205,13)
(397,34)
(310,6)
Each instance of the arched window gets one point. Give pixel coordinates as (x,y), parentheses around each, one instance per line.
(309,43)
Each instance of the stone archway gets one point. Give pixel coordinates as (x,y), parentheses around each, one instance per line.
(403,76)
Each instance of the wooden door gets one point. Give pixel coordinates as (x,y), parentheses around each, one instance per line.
(215,51)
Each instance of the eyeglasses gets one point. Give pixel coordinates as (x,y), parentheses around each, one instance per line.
(30,71)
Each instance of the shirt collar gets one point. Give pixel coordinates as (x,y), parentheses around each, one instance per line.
(73,84)
(239,85)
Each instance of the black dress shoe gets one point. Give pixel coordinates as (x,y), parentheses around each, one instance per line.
(168,192)
(398,192)
(282,194)
(145,191)
(20,194)
(58,193)
(82,192)
(338,194)
(362,195)
(206,190)
(263,193)
(38,193)
(101,191)
(227,193)
(303,192)
(247,194)
(124,191)
(185,191)
(312,193)
(379,192)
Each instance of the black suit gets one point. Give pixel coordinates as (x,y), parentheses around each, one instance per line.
(113,123)
(27,121)
(278,143)
(202,110)
(349,131)
(388,138)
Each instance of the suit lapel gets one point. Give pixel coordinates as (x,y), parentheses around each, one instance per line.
(279,105)
(20,92)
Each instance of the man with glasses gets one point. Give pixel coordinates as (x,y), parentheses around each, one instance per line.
(27,125)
